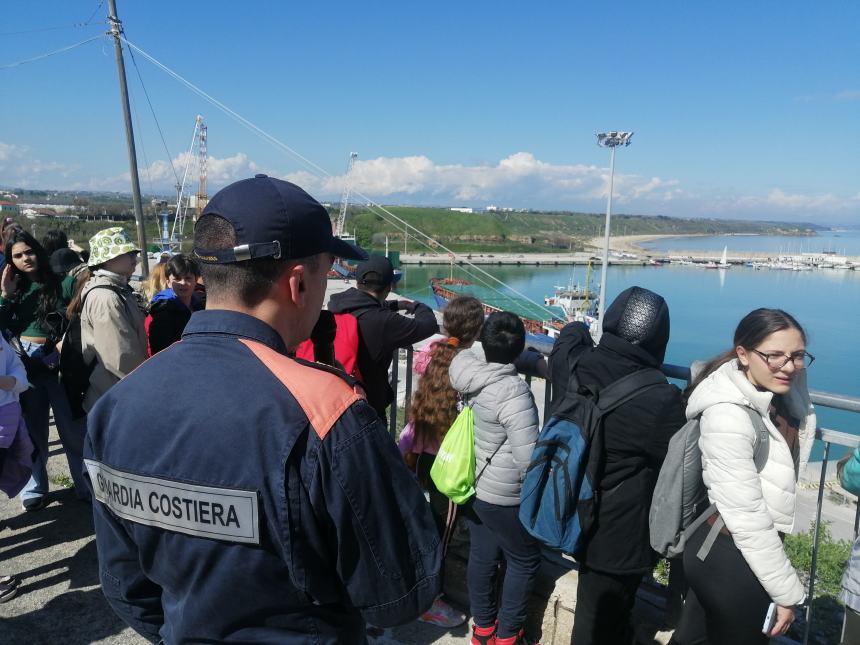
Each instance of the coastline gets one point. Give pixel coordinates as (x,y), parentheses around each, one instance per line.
(632,243)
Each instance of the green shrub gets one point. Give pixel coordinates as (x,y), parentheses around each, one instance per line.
(832,558)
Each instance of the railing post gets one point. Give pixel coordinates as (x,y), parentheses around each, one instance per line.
(395,368)
(814,566)
(407,399)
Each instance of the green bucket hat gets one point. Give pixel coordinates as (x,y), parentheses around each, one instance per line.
(109,244)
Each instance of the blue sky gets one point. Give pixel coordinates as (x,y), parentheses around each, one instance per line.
(740,109)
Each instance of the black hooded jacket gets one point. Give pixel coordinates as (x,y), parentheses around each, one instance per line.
(636,435)
(381,330)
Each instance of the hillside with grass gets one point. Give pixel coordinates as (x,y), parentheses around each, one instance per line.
(533,230)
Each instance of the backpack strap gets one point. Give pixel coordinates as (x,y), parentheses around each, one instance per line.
(628,387)
(761,451)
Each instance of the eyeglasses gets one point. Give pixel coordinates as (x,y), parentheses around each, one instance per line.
(777,360)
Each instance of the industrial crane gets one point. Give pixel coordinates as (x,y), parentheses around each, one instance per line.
(344,199)
(198,153)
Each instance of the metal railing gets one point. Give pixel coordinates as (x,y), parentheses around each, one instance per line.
(819,398)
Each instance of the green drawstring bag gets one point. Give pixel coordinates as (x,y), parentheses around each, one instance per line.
(453,471)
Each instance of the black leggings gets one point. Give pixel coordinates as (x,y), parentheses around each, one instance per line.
(726,604)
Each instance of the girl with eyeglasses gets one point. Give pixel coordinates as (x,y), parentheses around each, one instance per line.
(747,568)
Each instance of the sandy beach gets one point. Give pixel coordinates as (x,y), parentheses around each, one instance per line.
(631,243)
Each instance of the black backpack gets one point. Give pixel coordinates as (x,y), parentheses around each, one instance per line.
(75,372)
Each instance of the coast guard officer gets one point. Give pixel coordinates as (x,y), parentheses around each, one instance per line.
(273,506)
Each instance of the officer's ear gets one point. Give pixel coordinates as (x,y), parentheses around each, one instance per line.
(294,282)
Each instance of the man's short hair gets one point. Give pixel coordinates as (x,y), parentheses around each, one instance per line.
(503,337)
(249,281)
(180,265)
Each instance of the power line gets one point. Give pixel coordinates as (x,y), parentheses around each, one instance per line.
(48,54)
(431,243)
(76,25)
(154,117)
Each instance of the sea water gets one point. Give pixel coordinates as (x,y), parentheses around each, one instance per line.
(838,242)
(705,307)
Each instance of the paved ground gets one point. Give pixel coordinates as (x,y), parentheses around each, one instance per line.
(60,602)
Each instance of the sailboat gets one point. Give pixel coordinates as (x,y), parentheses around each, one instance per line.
(722,264)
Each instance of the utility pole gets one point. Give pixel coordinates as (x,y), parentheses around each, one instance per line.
(116,31)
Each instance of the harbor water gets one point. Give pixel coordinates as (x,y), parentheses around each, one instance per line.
(838,242)
(706,305)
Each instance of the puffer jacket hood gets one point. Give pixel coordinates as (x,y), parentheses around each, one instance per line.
(640,317)
(756,506)
(506,424)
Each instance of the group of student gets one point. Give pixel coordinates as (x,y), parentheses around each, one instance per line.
(270,305)
(729,591)
(44,286)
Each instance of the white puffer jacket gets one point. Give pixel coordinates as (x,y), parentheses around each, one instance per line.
(755,506)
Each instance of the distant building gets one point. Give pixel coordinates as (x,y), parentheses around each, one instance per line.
(460,209)
(8,209)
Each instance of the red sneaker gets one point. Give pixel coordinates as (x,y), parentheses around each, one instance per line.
(484,635)
(519,639)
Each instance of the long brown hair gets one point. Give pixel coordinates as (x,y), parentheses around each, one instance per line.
(434,404)
(751,331)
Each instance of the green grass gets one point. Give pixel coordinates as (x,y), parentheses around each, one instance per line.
(61,481)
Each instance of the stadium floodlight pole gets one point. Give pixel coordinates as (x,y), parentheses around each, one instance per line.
(609,140)
(116,32)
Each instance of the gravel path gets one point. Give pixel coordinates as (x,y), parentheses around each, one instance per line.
(60,602)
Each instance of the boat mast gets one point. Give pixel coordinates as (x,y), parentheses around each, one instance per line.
(116,32)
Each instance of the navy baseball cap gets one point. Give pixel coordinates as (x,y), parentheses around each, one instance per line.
(273,219)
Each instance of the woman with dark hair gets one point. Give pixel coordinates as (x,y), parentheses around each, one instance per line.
(54,240)
(171,308)
(747,568)
(32,300)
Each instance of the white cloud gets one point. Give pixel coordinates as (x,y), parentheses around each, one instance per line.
(18,167)
(848,95)
(518,180)
(160,175)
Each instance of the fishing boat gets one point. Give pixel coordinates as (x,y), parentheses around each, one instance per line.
(576,300)
(542,322)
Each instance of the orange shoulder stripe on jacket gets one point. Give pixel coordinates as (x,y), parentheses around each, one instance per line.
(323,397)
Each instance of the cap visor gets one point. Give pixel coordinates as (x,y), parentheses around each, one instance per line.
(346,250)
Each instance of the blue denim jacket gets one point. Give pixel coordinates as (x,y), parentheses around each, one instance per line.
(243,496)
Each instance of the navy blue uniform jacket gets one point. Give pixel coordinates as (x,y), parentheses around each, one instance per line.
(242,496)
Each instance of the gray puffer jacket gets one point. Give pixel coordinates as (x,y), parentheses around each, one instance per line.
(505,418)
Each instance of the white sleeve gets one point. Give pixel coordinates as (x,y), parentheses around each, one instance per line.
(734,485)
(14,367)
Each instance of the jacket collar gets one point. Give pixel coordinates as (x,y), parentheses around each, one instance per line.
(233,323)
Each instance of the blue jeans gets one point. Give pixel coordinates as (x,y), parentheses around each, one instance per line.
(499,535)
(48,394)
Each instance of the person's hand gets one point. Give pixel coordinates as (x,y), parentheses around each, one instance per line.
(784,618)
(7,382)
(9,282)
(407,305)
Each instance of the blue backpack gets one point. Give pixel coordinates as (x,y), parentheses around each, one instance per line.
(560,497)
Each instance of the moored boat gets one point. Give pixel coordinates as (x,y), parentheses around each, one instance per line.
(542,322)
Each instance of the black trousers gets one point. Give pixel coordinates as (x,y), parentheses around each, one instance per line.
(726,604)
(496,534)
(604,602)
